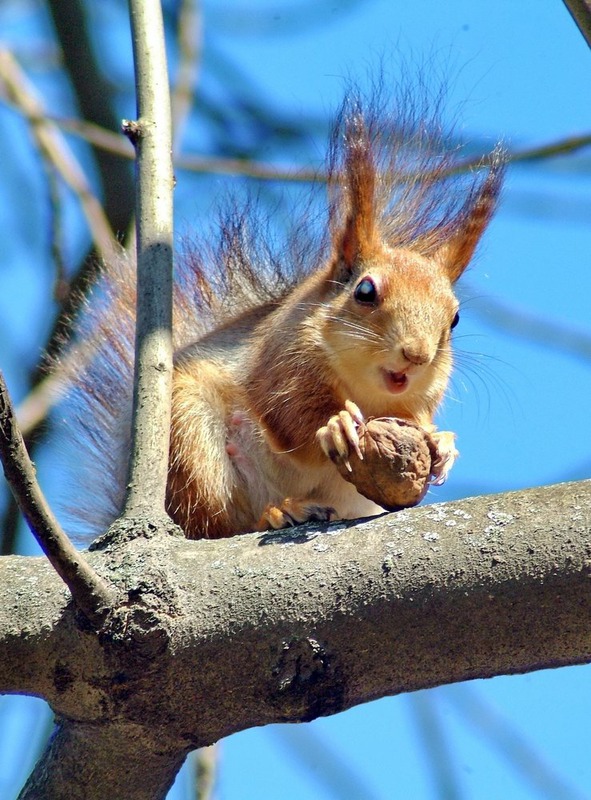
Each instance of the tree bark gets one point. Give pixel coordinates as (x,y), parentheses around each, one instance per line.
(218,636)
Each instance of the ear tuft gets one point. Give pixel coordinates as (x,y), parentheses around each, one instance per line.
(356,176)
(455,253)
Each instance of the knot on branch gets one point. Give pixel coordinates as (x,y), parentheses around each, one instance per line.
(307,676)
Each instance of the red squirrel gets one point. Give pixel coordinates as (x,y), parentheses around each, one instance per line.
(270,389)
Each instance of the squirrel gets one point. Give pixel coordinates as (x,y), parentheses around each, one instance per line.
(276,366)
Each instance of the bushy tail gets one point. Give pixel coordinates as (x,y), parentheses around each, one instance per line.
(217,277)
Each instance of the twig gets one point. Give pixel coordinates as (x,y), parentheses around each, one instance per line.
(260,170)
(60,283)
(53,385)
(205,765)
(580,11)
(435,740)
(90,592)
(337,775)
(190,39)
(72,21)
(514,746)
(151,135)
(55,149)
(527,325)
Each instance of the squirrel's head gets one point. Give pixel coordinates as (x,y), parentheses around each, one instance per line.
(387,327)
(389,290)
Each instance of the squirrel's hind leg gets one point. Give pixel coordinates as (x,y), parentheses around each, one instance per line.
(203,481)
(293,512)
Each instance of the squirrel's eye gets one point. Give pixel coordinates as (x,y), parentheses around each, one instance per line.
(455,320)
(365,291)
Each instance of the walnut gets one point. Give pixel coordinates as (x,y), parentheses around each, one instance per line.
(396,465)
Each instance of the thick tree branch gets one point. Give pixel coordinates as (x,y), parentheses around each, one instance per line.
(149,770)
(223,635)
(90,592)
(152,136)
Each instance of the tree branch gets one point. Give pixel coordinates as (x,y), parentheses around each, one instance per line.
(94,96)
(90,592)
(150,768)
(219,636)
(152,137)
(260,170)
(54,148)
(580,10)
(190,45)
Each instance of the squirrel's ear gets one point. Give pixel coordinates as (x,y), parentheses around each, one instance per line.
(455,253)
(355,240)
(356,236)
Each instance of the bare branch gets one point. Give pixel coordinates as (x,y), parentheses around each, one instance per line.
(260,170)
(513,745)
(90,592)
(190,40)
(435,741)
(205,769)
(55,149)
(521,322)
(94,94)
(580,11)
(151,135)
(291,625)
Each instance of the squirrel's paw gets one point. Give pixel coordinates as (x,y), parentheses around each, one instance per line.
(445,442)
(339,436)
(293,512)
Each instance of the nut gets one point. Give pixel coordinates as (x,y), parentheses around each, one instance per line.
(396,465)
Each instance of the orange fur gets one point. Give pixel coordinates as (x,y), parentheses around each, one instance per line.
(365,329)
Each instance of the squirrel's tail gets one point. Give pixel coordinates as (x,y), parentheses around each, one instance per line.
(220,276)
(95,371)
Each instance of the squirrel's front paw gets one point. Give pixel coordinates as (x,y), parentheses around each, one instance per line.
(445,442)
(339,436)
(293,512)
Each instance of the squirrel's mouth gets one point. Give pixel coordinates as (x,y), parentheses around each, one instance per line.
(396,382)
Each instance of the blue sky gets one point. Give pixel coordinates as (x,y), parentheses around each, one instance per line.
(521,73)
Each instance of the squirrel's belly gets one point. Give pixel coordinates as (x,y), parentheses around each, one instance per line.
(266,477)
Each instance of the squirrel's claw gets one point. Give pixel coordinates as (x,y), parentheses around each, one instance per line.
(339,436)
(445,442)
(293,512)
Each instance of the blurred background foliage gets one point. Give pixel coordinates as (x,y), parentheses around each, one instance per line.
(253,87)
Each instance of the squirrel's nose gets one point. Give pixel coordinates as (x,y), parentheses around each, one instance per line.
(416,353)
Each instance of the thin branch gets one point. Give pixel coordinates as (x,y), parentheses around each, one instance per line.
(152,137)
(580,11)
(511,744)
(94,94)
(439,754)
(60,282)
(43,396)
(90,592)
(205,768)
(190,44)
(260,170)
(527,325)
(55,149)
(326,766)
